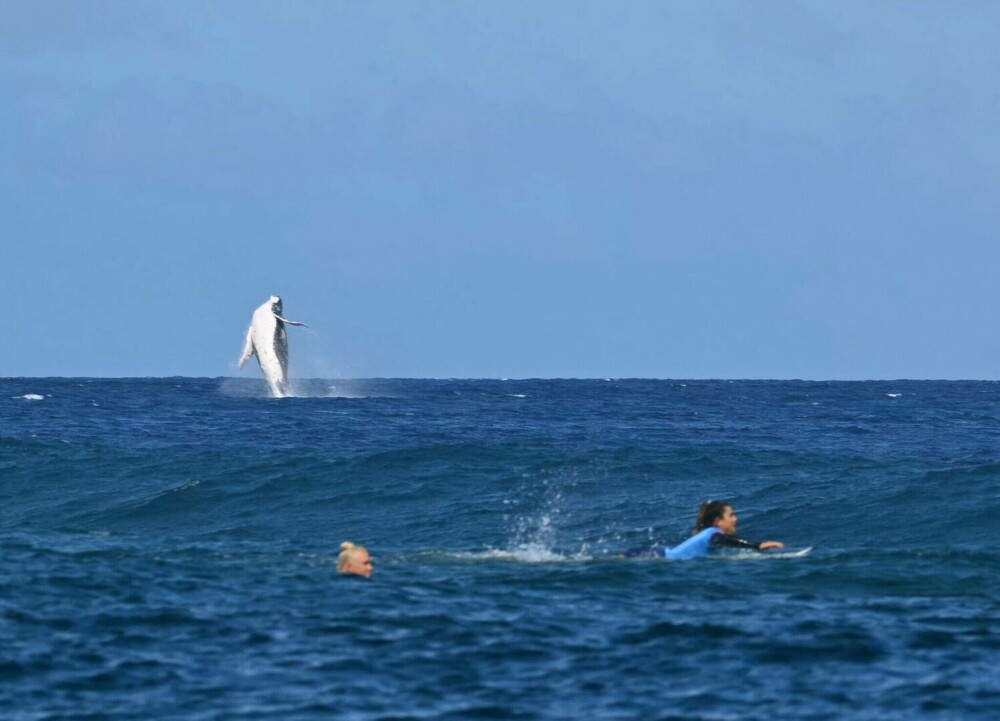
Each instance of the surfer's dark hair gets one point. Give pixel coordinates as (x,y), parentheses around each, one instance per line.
(709,512)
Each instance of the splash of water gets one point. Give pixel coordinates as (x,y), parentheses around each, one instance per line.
(535,533)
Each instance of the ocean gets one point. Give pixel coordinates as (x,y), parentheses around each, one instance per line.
(168,550)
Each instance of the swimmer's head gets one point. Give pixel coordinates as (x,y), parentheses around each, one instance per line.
(718,514)
(354,560)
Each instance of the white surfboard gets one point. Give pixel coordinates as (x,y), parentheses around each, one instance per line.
(793,554)
(748,555)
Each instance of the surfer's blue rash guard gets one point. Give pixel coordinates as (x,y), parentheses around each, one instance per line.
(700,544)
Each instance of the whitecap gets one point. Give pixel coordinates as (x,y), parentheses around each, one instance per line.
(185,486)
(768,555)
(527,553)
(894,395)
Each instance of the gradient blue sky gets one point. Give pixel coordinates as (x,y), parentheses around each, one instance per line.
(502,189)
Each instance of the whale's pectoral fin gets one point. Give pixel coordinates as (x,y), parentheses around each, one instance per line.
(248,348)
(290,322)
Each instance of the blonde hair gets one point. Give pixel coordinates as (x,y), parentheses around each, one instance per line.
(347,551)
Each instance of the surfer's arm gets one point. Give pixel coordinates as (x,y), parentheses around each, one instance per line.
(722,540)
(248,348)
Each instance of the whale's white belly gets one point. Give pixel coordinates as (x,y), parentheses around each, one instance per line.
(268,340)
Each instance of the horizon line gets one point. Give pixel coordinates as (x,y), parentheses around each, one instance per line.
(526,378)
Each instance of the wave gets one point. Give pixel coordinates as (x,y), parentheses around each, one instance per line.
(504,494)
(459,464)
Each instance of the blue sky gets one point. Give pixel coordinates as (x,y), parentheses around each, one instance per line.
(515,189)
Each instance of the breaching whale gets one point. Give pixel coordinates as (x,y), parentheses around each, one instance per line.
(267,339)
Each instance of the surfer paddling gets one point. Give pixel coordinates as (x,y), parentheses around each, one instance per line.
(714,529)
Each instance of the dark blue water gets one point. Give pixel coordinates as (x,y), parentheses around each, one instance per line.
(167,550)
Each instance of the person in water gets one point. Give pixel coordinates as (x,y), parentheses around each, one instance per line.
(714,529)
(354,560)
